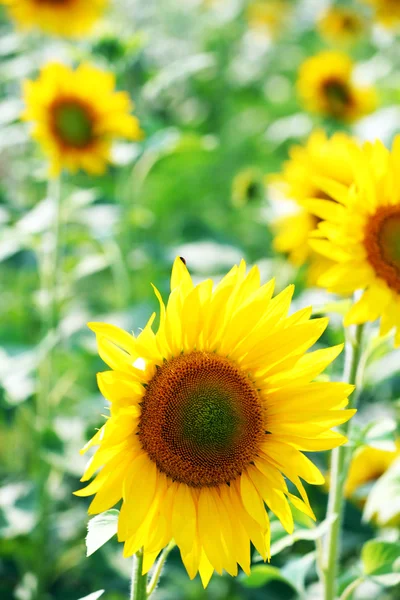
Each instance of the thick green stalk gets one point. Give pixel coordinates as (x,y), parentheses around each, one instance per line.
(340,464)
(49,271)
(139,581)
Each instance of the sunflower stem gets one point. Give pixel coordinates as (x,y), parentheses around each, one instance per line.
(353,369)
(138,581)
(49,272)
(158,569)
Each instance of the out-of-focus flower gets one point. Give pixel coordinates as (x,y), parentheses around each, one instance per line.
(360,232)
(208,415)
(341,25)
(268,16)
(247,186)
(319,157)
(77,114)
(326,87)
(367,465)
(61,17)
(387,12)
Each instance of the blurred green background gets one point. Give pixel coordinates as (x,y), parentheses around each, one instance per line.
(215,97)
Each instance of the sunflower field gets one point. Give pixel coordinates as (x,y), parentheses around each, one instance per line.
(199,299)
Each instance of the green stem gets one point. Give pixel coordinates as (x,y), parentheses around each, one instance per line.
(48,265)
(139,581)
(341,461)
(158,569)
(348,592)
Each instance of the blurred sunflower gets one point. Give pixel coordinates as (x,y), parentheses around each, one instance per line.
(367,465)
(247,186)
(77,114)
(268,16)
(208,415)
(341,25)
(360,232)
(61,17)
(319,157)
(387,12)
(325,87)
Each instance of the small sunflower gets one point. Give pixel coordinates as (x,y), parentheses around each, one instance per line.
(387,12)
(208,416)
(68,18)
(341,25)
(319,156)
(247,186)
(76,116)
(360,232)
(325,87)
(367,465)
(268,16)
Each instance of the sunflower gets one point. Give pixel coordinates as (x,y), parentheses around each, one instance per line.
(267,16)
(208,416)
(247,186)
(367,465)
(341,25)
(387,12)
(360,232)
(76,115)
(325,87)
(62,17)
(319,156)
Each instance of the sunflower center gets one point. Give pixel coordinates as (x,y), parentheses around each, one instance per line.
(337,94)
(73,123)
(382,242)
(201,420)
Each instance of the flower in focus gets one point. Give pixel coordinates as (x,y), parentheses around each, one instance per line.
(247,186)
(341,25)
(208,416)
(367,465)
(77,114)
(360,232)
(62,17)
(325,87)
(268,16)
(298,182)
(387,12)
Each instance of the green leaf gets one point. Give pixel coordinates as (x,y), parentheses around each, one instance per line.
(93,596)
(302,534)
(101,529)
(261,575)
(378,557)
(381,435)
(295,571)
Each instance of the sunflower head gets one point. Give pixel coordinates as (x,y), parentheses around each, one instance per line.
(387,12)
(360,232)
(325,87)
(319,157)
(268,16)
(209,414)
(341,25)
(247,187)
(60,17)
(367,465)
(76,114)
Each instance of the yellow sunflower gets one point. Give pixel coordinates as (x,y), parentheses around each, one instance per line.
(387,12)
(319,156)
(268,16)
(341,25)
(61,17)
(367,465)
(246,187)
(360,232)
(77,114)
(325,87)
(208,416)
